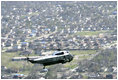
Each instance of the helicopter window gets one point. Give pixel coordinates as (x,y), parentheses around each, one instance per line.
(61,53)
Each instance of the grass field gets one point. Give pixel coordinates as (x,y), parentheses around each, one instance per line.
(6,60)
(85,55)
(79,52)
(92,33)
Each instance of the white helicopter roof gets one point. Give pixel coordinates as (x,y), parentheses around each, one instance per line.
(52,56)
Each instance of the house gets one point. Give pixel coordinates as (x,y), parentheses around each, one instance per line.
(8,43)
(24,44)
(25,52)
(114,69)
(15,42)
(109,76)
(16,47)
(38,51)
(32,34)
(18,76)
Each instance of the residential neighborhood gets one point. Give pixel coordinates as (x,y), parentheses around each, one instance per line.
(33,27)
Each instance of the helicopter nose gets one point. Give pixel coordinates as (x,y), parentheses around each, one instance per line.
(72,56)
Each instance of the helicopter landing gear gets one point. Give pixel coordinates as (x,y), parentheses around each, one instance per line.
(44,69)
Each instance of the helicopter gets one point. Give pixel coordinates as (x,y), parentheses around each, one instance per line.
(61,55)
(57,57)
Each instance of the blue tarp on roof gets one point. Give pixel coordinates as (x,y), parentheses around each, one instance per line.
(43,42)
(114,12)
(44,46)
(46,29)
(32,34)
(24,42)
(33,31)
(19,74)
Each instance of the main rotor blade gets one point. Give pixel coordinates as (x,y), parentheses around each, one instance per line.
(69,49)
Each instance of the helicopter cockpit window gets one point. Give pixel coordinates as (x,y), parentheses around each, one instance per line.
(61,53)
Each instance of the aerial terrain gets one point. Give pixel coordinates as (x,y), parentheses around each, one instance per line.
(31,27)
